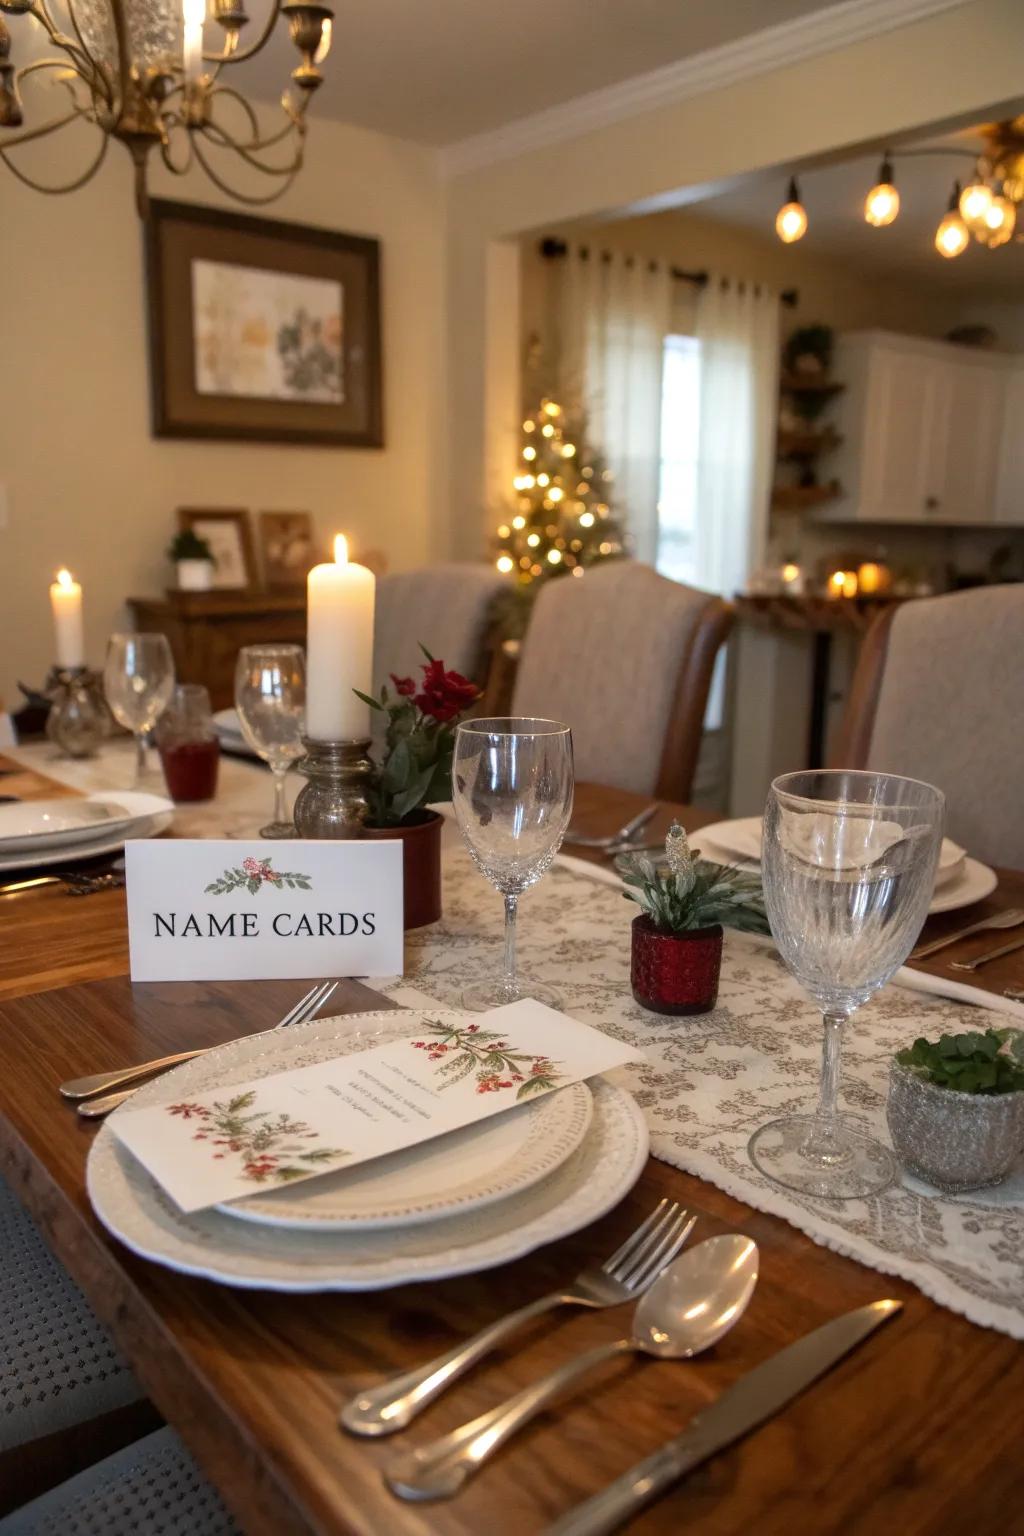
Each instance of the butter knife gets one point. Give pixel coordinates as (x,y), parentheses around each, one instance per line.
(753,1399)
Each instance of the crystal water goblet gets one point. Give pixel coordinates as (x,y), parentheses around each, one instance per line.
(138,680)
(848,861)
(512,786)
(270,697)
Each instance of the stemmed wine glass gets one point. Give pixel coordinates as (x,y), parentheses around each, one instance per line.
(138,680)
(848,861)
(512,785)
(270,696)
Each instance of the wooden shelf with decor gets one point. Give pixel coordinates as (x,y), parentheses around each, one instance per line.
(206,629)
(806,445)
(809,384)
(802,498)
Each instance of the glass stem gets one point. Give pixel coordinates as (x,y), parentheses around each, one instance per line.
(824,1140)
(280,803)
(140,755)
(511,905)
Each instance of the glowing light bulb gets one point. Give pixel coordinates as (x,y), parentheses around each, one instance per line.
(547,430)
(505,563)
(883,201)
(952,236)
(193,16)
(586,519)
(529,425)
(552,409)
(533,539)
(568,450)
(544,479)
(529,452)
(578,570)
(975,202)
(519,522)
(528,482)
(556,493)
(791,219)
(999,221)
(554,557)
(504,531)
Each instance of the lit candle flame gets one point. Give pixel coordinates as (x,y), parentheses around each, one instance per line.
(64,578)
(340,549)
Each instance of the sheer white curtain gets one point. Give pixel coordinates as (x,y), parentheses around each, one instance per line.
(738,331)
(614,315)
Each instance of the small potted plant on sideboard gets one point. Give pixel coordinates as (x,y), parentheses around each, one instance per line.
(193,560)
(677,938)
(415,771)
(956,1108)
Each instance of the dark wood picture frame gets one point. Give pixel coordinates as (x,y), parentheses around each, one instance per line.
(176,234)
(275,527)
(190,517)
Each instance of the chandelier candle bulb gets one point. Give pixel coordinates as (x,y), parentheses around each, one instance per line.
(339,648)
(193,17)
(66,604)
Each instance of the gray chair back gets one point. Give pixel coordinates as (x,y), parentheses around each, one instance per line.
(939,696)
(624,656)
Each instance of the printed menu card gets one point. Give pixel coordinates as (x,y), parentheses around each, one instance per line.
(292,1125)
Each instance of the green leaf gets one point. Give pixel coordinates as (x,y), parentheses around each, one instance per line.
(413,795)
(377,704)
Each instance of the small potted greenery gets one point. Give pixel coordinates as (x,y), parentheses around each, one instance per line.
(677,938)
(415,770)
(193,559)
(956,1108)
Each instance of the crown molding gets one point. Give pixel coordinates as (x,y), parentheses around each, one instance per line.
(758,53)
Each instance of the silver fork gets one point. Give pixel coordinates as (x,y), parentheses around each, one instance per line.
(95,1108)
(631,1270)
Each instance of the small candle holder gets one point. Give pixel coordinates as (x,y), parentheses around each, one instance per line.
(333,804)
(78,720)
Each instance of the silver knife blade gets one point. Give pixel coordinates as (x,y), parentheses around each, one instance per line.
(753,1399)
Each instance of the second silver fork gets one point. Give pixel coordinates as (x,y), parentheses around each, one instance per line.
(630,1271)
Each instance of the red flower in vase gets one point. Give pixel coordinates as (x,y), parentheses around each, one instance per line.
(406,686)
(445,694)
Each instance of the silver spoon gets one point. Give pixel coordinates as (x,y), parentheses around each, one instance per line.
(689,1307)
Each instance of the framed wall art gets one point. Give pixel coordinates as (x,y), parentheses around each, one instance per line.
(228,534)
(262,330)
(287,548)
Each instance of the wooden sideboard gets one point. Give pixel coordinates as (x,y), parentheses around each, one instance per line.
(206,629)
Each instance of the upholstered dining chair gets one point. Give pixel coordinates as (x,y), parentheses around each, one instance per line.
(624,656)
(444,607)
(66,1396)
(938,694)
(152,1486)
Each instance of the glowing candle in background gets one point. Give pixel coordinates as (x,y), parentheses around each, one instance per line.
(339,647)
(193,16)
(66,604)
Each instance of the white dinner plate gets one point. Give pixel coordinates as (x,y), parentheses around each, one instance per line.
(462,1171)
(150,816)
(56,823)
(960,880)
(132,1206)
(229,734)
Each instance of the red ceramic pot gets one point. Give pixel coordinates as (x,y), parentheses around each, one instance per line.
(675,972)
(420,838)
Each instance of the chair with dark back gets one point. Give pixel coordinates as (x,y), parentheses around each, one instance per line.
(938,695)
(625,657)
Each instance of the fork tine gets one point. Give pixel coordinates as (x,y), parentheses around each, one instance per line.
(621,1254)
(310,1008)
(292,1013)
(665,1214)
(650,1263)
(663,1258)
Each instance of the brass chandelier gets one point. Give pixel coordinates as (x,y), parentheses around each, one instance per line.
(141,71)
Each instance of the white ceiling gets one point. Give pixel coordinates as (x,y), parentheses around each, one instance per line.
(438,71)
(834,196)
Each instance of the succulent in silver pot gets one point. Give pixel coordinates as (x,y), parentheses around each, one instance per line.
(956,1108)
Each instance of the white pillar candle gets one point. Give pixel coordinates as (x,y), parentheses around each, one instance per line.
(66,602)
(339,648)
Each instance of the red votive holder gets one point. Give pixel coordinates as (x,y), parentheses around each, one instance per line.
(675,973)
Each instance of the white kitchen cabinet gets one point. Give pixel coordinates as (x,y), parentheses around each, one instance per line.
(1010,485)
(923,430)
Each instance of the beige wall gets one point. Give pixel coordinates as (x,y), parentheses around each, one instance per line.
(88,485)
(952,64)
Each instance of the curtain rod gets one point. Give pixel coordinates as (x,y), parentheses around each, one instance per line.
(550,247)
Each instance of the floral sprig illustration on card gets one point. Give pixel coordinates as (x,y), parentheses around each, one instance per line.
(498,1065)
(254,874)
(270,1147)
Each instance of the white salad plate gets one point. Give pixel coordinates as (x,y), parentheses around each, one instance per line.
(58,823)
(147,816)
(131,1204)
(959,882)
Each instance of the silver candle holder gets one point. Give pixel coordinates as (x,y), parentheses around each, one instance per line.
(78,720)
(333,803)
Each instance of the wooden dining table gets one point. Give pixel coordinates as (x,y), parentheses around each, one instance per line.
(918,1432)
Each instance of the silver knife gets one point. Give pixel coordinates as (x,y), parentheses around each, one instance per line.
(753,1399)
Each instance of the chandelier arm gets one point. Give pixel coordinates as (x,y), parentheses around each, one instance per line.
(72,186)
(255,143)
(94,64)
(239,56)
(80,54)
(168,159)
(243,197)
(42,131)
(224,140)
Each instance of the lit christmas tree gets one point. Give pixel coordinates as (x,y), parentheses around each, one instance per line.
(563,519)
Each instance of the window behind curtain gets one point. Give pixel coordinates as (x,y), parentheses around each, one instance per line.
(680,436)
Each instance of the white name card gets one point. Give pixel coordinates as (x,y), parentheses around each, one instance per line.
(214,910)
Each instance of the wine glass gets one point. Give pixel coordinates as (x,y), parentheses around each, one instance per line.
(138,680)
(512,787)
(848,861)
(270,696)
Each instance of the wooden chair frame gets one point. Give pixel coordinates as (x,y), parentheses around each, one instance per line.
(853,742)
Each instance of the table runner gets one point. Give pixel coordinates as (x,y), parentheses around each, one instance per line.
(708,1082)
